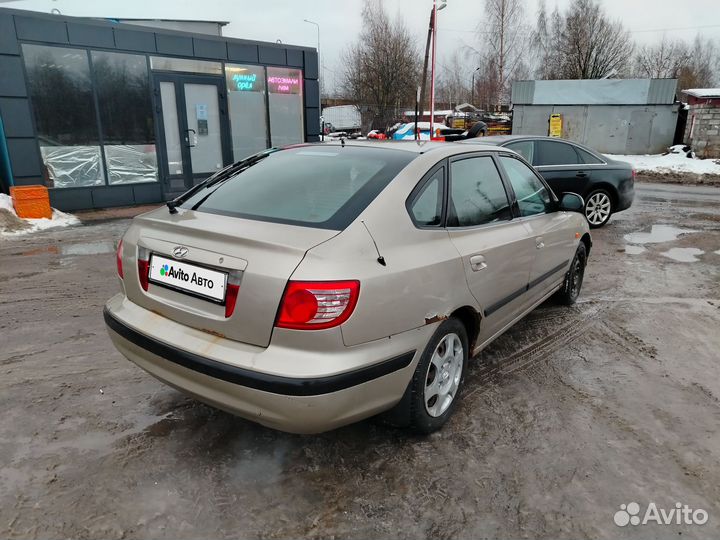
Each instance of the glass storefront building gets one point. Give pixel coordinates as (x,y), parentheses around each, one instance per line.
(110,114)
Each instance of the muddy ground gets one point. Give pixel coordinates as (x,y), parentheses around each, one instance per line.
(571,414)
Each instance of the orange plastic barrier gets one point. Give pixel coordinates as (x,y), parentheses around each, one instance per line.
(31,201)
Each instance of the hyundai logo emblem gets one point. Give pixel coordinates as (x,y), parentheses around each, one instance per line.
(179,252)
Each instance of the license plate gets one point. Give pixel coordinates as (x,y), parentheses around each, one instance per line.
(188,278)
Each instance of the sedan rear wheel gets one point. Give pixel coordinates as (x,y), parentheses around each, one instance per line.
(443,375)
(436,384)
(598,208)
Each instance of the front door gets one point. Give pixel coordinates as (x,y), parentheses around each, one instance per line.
(548,228)
(192,119)
(495,248)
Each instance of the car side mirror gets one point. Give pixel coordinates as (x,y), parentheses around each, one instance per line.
(572,202)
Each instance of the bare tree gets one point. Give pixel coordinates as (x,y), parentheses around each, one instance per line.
(454,81)
(593,46)
(546,43)
(504,35)
(702,68)
(695,64)
(382,67)
(663,60)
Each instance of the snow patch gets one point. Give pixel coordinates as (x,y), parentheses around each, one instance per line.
(676,161)
(12,225)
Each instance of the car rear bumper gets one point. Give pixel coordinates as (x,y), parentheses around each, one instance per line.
(309,404)
(625,198)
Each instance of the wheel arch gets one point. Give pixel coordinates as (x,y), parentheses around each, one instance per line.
(470,319)
(605,186)
(588,243)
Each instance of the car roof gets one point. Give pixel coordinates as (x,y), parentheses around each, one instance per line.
(417,147)
(502,139)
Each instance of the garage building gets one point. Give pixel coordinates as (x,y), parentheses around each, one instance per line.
(613,116)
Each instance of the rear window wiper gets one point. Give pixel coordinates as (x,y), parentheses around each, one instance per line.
(220,176)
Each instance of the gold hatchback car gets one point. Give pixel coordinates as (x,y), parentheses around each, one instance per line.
(316,285)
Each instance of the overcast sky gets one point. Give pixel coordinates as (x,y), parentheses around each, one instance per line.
(270,20)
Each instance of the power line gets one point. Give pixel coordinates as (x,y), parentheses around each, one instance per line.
(677,28)
(631,31)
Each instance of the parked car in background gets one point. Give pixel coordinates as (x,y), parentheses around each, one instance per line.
(363,281)
(406,132)
(478,129)
(608,186)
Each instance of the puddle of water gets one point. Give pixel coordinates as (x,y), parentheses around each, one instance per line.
(634,250)
(683,254)
(88,248)
(657,234)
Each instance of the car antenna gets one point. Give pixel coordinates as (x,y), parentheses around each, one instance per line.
(380,258)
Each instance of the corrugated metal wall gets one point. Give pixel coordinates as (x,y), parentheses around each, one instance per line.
(611,129)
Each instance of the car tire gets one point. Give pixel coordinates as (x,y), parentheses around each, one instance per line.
(434,391)
(598,208)
(570,290)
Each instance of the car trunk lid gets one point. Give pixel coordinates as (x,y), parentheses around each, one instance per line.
(261,256)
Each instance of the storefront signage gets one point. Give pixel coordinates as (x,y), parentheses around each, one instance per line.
(284,81)
(244,81)
(244,78)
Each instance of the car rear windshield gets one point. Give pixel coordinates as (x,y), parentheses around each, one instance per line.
(324,187)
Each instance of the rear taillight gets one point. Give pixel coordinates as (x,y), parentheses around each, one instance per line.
(231,293)
(315,305)
(634,174)
(118,259)
(143,267)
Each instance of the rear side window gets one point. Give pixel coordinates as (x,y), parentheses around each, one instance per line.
(531,194)
(524,148)
(426,208)
(555,153)
(586,157)
(323,187)
(477,194)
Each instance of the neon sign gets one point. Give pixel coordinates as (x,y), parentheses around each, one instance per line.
(244,81)
(285,82)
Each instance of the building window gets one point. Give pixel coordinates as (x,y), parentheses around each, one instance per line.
(285,100)
(60,89)
(188,65)
(246,101)
(126,118)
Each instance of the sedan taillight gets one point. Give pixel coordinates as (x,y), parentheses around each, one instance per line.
(316,305)
(143,267)
(118,259)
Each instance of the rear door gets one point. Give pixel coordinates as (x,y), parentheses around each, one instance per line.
(496,249)
(552,240)
(560,166)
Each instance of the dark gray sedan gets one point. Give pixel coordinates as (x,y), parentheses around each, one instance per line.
(606,185)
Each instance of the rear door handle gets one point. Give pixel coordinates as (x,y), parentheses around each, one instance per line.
(477,262)
(539,242)
(581,174)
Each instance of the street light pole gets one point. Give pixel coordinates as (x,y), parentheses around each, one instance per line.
(432,68)
(472,90)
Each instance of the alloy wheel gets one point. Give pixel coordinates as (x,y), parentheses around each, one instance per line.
(443,375)
(598,208)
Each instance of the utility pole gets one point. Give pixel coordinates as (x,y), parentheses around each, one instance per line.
(421,105)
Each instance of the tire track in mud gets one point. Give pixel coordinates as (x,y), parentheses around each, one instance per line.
(491,365)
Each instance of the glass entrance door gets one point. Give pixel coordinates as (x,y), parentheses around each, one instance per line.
(194,129)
